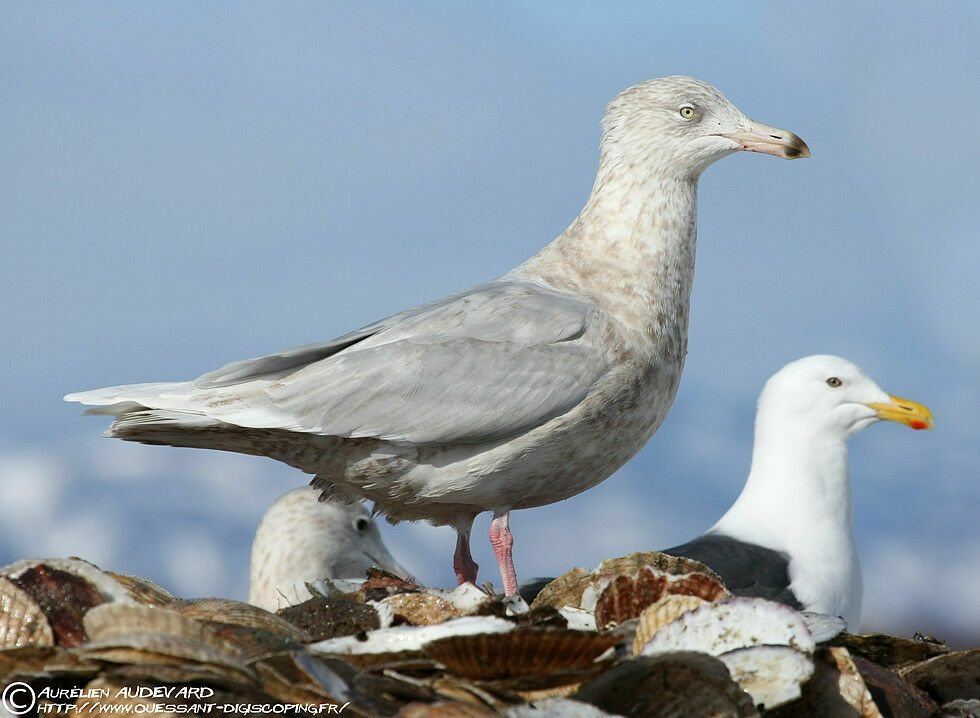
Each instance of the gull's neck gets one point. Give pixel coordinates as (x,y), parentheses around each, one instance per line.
(797,499)
(799,485)
(631,249)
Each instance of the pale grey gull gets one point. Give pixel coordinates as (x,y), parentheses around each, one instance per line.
(789,536)
(520,392)
(302,539)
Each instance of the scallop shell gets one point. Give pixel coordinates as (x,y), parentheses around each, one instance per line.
(661,613)
(674,565)
(109,588)
(836,689)
(772,675)
(62,596)
(668,685)
(29,662)
(623,598)
(717,628)
(889,651)
(143,590)
(566,590)
(521,652)
(22,622)
(405,639)
(223,610)
(955,675)
(163,649)
(116,702)
(421,609)
(111,620)
(444,709)
(569,589)
(891,692)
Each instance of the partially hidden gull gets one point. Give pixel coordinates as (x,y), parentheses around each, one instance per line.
(516,393)
(789,536)
(302,539)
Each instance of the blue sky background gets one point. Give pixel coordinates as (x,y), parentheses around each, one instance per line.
(185,184)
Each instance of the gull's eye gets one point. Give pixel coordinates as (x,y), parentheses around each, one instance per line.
(362,524)
(834,382)
(687,112)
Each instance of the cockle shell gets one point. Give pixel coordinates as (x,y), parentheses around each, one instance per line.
(22,622)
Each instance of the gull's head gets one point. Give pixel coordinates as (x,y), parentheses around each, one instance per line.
(834,397)
(681,125)
(352,538)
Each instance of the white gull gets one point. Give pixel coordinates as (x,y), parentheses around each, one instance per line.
(517,393)
(302,539)
(790,534)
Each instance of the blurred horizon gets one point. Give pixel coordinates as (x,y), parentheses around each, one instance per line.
(185,185)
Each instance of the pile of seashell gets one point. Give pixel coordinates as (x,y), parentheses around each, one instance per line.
(642,635)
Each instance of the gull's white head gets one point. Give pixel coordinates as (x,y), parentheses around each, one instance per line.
(680,125)
(304,539)
(832,395)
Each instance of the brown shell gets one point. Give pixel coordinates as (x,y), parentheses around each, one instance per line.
(421,609)
(889,651)
(625,597)
(948,677)
(224,610)
(566,590)
(112,700)
(143,590)
(674,565)
(444,710)
(29,662)
(163,649)
(699,584)
(668,685)
(22,622)
(892,693)
(64,597)
(521,652)
(835,689)
(659,614)
(323,617)
(120,619)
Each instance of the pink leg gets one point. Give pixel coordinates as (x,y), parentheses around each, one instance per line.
(463,563)
(503,541)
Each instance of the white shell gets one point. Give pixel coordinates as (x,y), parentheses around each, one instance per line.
(823,626)
(467,597)
(772,675)
(717,628)
(410,638)
(578,620)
